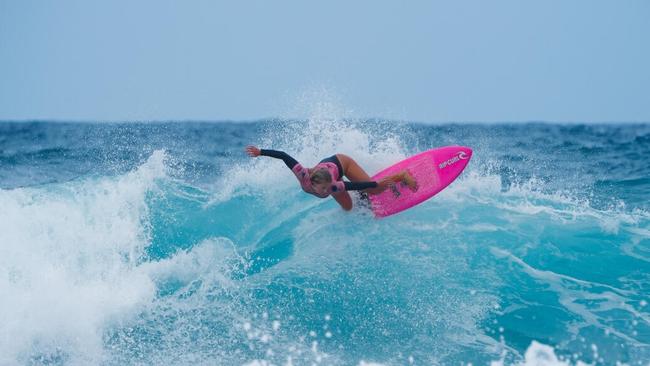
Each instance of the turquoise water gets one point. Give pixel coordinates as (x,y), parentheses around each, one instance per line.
(162,243)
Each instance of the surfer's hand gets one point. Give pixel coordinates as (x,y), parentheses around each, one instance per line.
(252,151)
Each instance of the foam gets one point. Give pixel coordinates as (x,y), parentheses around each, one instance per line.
(67,259)
(538,354)
(527,199)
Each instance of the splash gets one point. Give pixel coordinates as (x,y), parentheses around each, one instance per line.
(146,267)
(67,264)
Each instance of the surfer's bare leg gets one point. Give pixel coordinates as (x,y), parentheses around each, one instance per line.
(355,173)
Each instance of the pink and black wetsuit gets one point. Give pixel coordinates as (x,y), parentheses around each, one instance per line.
(332,164)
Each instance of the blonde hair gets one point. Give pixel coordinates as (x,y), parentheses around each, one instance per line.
(321,176)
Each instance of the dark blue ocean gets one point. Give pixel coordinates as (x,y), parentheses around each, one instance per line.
(164,244)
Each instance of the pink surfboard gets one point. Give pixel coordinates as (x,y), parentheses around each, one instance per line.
(433,170)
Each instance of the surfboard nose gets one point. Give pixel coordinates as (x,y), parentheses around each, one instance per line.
(465,153)
(452,159)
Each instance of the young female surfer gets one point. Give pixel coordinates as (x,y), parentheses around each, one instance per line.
(326,178)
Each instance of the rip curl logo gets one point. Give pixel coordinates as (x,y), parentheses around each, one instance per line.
(461,155)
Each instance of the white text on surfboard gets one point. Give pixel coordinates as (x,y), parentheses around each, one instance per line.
(461,155)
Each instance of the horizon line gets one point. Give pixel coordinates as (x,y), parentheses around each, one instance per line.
(277,119)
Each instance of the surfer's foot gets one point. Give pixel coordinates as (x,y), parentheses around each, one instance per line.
(410,181)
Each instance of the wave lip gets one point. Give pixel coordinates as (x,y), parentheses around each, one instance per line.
(68,263)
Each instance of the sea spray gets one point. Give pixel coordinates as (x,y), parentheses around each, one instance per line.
(188,252)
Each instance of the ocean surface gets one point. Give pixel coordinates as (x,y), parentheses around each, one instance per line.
(164,244)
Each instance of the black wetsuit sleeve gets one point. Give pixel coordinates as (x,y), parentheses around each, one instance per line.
(291,162)
(358,186)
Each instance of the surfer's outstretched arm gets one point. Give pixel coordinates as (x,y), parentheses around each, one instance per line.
(288,160)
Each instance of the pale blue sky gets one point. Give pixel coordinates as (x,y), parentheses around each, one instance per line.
(429,61)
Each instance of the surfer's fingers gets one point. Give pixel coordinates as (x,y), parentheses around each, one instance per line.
(252,150)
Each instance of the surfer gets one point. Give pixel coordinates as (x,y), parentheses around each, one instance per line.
(326,178)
